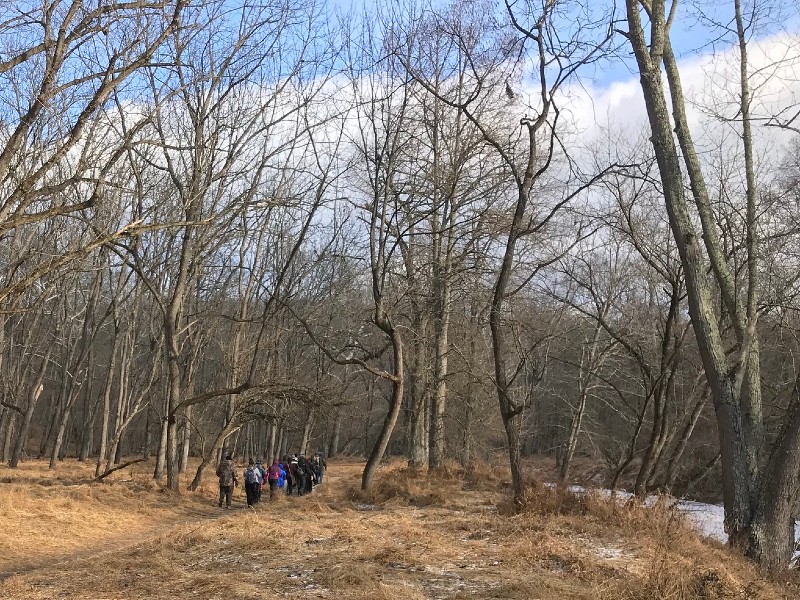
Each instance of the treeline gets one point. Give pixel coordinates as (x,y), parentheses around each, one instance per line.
(270,228)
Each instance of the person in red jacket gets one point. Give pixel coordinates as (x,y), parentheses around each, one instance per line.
(272,477)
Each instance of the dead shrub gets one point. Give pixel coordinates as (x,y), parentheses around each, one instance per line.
(403,486)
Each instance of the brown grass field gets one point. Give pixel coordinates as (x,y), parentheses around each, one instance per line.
(449,536)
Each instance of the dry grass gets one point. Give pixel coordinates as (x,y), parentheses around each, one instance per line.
(48,514)
(412,537)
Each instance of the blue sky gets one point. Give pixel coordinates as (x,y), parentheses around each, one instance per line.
(696,31)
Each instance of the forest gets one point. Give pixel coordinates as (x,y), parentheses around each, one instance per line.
(440,231)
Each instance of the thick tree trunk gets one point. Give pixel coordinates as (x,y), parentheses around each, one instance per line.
(749,516)
(772,535)
(418,450)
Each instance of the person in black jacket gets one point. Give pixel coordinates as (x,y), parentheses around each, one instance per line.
(226,471)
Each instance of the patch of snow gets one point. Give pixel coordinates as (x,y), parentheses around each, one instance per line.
(708,519)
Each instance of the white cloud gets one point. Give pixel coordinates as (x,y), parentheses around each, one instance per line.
(710,84)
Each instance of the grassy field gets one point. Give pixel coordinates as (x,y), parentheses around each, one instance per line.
(450,536)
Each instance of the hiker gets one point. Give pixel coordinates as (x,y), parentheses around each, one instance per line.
(260,467)
(252,482)
(307,484)
(291,476)
(282,478)
(318,470)
(301,475)
(226,471)
(273,476)
(323,466)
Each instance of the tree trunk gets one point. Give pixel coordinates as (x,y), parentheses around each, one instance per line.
(161,454)
(9,418)
(368,417)
(89,410)
(271,448)
(186,439)
(213,453)
(307,432)
(102,455)
(574,432)
(466,451)
(333,447)
(148,435)
(443,261)
(683,442)
(22,436)
(735,471)
(396,402)
(418,438)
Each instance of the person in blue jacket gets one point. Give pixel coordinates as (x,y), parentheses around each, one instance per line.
(282,478)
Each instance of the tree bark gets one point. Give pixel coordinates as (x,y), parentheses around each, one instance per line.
(395,403)
(333,447)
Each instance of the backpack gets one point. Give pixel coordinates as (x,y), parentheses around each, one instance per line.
(274,473)
(251,475)
(226,473)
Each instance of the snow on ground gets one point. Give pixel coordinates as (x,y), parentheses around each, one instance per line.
(708,519)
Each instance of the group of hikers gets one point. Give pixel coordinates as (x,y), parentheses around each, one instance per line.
(293,473)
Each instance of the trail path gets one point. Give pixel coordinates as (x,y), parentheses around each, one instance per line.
(124,541)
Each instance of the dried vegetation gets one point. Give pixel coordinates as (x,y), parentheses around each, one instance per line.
(413,536)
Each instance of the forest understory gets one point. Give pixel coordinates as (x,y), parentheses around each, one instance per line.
(443,536)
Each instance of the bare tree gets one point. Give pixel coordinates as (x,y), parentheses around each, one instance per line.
(759,489)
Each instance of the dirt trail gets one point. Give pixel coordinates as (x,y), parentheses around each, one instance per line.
(125,541)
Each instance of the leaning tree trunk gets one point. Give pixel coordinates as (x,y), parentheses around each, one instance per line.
(307,432)
(683,442)
(33,398)
(219,443)
(22,436)
(737,427)
(395,403)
